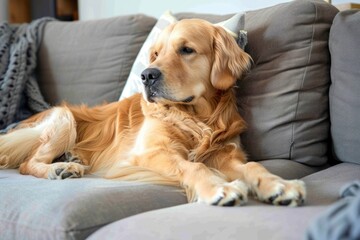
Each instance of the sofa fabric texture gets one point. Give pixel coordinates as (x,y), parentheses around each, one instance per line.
(254,221)
(33,208)
(284,99)
(89,62)
(345,88)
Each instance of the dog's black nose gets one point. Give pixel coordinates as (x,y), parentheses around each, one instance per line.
(150,75)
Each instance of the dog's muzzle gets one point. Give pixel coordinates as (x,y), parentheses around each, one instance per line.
(151,79)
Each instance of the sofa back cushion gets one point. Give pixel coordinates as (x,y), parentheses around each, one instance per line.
(345,87)
(284,98)
(89,62)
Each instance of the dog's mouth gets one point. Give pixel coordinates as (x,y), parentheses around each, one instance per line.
(154,96)
(150,97)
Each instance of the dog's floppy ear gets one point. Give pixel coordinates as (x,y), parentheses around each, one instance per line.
(230,61)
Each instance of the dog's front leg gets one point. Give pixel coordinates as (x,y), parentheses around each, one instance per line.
(270,188)
(201,182)
(265,186)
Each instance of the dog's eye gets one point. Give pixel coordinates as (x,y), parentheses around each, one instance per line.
(156,54)
(186,50)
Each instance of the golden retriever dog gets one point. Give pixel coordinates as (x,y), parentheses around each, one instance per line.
(182,130)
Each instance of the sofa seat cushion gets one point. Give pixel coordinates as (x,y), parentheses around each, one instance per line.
(198,221)
(33,208)
(89,61)
(345,88)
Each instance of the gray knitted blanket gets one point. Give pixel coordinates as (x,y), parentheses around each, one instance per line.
(342,220)
(20,96)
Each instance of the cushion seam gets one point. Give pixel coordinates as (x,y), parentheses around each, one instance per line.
(63,230)
(302,83)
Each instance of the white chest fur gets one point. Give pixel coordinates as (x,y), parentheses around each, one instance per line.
(147,131)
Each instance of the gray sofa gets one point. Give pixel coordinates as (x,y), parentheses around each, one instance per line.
(301,102)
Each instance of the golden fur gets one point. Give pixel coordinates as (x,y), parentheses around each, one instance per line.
(182,130)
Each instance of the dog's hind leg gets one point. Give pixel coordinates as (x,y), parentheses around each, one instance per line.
(58,135)
(16,145)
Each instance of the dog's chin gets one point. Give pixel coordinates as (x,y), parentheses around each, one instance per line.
(154,97)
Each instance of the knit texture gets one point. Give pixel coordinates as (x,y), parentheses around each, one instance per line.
(20,96)
(342,219)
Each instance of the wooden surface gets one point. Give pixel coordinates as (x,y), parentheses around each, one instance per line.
(347,6)
(67,9)
(19,11)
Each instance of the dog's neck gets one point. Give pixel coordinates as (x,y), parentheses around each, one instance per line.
(218,111)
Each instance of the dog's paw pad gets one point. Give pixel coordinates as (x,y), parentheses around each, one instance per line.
(61,170)
(230,194)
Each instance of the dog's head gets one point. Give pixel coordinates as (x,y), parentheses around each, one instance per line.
(190,60)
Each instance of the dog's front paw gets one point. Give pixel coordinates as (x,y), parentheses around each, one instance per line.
(226,194)
(278,191)
(63,170)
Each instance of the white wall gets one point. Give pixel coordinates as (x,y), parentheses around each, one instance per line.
(95,9)
(3,10)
